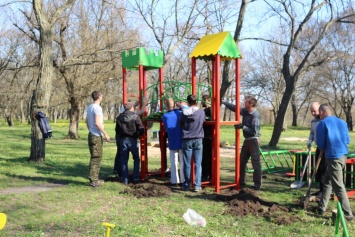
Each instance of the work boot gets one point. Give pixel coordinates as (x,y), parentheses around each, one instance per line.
(96,183)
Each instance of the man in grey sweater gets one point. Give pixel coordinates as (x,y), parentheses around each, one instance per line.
(251,132)
(191,123)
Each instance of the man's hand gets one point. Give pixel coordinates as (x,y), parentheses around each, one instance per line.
(238,126)
(309,145)
(107,137)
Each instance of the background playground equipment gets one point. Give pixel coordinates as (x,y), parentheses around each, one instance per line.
(299,183)
(274,161)
(211,48)
(172,89)
(2,220)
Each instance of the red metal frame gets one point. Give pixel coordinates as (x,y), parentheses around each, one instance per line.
(216,123)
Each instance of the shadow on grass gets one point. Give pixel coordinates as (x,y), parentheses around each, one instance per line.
(48,169)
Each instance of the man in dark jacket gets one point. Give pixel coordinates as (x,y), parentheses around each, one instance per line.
(251,132)
(129,127)
(191,121)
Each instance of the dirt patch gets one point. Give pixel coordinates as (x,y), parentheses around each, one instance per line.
(147,189)
(239,202)
(246,202)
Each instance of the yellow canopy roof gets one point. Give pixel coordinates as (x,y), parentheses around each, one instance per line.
(221,44)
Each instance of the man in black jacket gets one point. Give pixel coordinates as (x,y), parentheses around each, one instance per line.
(129,128)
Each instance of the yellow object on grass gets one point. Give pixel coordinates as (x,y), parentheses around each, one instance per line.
(2,220)
(108,229)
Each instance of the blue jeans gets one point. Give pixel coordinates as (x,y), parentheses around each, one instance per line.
(118,167)
(129,145)
(189,148)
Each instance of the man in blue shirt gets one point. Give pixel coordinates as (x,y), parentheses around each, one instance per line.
(333,138)
(171,120)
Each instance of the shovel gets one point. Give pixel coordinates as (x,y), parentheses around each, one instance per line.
(305,199)
(299,184)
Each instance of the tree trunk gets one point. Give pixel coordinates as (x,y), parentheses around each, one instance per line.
(38,144)
(23,117)
(349,120)
(9,120)
(55,114)
(74,114)
(348,116)
(43,91)
(294,110)
(279,121)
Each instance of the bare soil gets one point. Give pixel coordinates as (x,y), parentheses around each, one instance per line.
(239,202)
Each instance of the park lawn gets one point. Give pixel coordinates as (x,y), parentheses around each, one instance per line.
(75,209)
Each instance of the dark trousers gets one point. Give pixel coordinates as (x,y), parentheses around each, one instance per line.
(207,159)
(250,148)
(117,168)
(321,170)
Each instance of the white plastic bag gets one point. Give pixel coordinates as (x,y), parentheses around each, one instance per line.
(193,218)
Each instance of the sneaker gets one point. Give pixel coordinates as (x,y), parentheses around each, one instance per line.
(197,189)
(320,212)
(349,218)
(117,174)
(96,183)
(185,188)
(255,187)
(135,181)
(125,181)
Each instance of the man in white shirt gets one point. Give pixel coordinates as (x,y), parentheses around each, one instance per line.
(95,124)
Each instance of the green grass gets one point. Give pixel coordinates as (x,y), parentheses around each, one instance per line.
(78,210)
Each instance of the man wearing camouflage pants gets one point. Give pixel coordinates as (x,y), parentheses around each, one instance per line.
(95,124)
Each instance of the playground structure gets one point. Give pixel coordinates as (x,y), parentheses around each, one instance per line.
(211,48)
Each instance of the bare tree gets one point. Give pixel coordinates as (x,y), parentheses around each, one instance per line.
(238,29)
(289,14)
(89,53)
(46,19)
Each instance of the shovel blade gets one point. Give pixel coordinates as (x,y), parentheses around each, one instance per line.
(297,184)
(304,202)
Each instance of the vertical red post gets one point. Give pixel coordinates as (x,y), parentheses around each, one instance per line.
(162,140)
(215,173)
(193,72)
(143,139)
(237,118)
(124,85)
(217,123)
(193,88)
